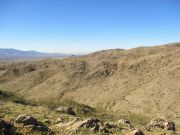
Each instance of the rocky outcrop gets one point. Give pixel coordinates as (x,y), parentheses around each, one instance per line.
(92,124)
(160,123)
(30,122)
(87,123)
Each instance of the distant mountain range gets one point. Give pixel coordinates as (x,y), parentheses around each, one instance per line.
(13,54)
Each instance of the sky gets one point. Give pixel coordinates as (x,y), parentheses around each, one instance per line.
(79,26)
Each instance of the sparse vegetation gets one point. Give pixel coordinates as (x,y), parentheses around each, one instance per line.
(108,85)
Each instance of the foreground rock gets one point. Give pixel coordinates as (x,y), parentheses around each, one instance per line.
(30,122)
(135,132)
(66,110)
(87,123)
(160,123)
(93,124)
(110,125)
(7,128)
(126,123)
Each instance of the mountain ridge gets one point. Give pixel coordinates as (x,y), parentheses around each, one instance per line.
(11,53)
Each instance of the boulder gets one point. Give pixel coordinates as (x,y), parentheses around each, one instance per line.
(93,124)
(135,132)
(30,122)
(66,110)
(26,120)
(87,123)
(170,126)
(6,128)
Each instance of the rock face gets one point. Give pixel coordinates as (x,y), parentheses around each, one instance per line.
(135,132)
(160,123)
(31,122)
(125,122)
(6,128)
(66,110)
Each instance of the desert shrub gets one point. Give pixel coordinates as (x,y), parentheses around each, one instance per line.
(15,72)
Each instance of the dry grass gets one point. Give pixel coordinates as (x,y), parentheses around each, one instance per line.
(142,81)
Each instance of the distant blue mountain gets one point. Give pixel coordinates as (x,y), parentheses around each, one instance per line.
(13,53)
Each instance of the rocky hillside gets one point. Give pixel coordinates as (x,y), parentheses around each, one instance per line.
(142,80)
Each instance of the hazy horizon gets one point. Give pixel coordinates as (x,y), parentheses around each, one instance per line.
(87,52)
(69,26)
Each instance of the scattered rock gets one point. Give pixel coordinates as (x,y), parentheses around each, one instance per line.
(160,123)
(84,109)
(66,110)
(93,124)
(110,125)
(31,122)
(135,132)
(125,122)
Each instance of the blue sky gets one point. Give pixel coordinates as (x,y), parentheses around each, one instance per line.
(76,26)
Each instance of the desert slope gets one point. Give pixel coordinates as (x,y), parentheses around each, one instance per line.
(140,80)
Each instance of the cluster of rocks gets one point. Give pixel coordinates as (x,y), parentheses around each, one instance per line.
(96,125)
(30,122)
(22,121)
(160,123)
(93,124)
